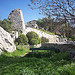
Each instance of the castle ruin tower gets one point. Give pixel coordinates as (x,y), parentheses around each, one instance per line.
(16,17)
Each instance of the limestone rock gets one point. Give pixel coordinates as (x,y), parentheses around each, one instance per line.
(32,24)
(14,35)
(52,38)
(0,51)
(16,17)
(6,42)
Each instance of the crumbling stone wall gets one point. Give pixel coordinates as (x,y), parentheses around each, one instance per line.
(61,47)
(16,17)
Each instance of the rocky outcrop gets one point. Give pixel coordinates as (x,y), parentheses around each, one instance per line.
(52,38)
(6,42)
(0,51)
(14,35)
(16,17)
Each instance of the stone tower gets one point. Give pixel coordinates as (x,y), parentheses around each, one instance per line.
(16,17)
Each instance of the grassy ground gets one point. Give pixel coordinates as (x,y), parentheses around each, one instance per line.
(36,64)
(17,53)
(46,31)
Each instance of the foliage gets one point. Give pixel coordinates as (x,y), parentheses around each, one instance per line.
(37,64)
(73,37)
(20,51)
(58,15)
(46,24)
(48,32)
(55,8)
(33,38)
(33,41)
(39,22)
(39,40)
(22,39)
(44,40)
(69,39)
(6,25)
(31,35)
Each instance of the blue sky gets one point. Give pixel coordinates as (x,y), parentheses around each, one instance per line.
(6,6)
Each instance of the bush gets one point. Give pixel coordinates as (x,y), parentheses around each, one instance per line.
(33,42)
(33,38)
(73,37)
(6,25)
(39,40)
(31,35)
(44,40)
(22,39)
(69,39)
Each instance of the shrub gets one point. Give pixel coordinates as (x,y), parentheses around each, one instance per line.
(22,39)
(69,39)
(33,38)
(31,35)
(39,40)
(44,40)
(6,25)
(73,37)
(33,42)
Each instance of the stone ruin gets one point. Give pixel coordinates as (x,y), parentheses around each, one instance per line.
(16,17)
(32,24)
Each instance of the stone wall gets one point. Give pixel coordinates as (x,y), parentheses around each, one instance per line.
(61,47)
(16,17)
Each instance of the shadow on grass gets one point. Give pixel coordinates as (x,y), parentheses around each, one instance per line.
(34,63)
(38,54)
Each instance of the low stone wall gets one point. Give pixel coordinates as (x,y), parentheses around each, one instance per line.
(61,47)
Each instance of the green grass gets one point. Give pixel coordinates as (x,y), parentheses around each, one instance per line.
(46,31)
(36,64)
(19,52)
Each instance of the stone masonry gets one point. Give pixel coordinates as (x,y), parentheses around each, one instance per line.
(16,17)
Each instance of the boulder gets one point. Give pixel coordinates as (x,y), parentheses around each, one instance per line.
(6,42)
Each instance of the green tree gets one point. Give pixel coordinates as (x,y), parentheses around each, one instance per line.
(46,23)
(55,8)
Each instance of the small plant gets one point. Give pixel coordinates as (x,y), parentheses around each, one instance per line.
(31,35)
(73,37)
(33,42)
(44,40)
(69,39)
(33,38)
(22,39)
